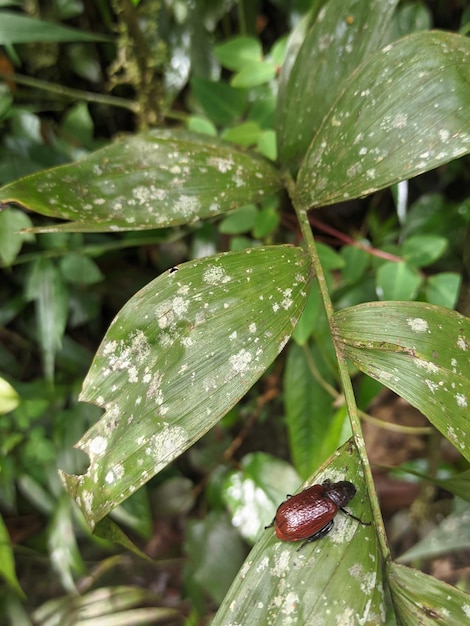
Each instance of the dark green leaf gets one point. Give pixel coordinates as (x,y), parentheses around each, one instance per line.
(177,357)
(79,269)
(418,350)
(405,111)
(308,406)
(344,34)
(15,28)
(221,103)
(47,288)
(156,179)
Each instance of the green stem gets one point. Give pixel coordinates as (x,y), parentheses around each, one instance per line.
(345,379)
(69,92)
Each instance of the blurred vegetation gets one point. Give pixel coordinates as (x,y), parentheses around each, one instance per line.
(210,66)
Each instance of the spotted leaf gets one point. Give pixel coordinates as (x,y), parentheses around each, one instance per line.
(335,580)
(344,33)
(403,112)
(152,180)
(420,351)
(177,357)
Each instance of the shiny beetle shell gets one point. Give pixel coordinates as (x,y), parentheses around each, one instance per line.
(309,514)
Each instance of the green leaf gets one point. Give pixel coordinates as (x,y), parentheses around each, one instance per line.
(267,145)
(256,74)
(452,535)
(405,111)
(177,357)
(308,406)
(221,103)
(201,125)
(46,286)
(418,350)
(156,179)
(330,259)
(16,28)
(424,600)
(344,34)
(12,222)
(237,53)
(266,222)
(423,250)
(335,580)
(240,221)
(252,493)
(215,551)
(79,269)
(246,134)
(309,316)
(356,261)
(64,553)
(9,398)
(443,289)
(7,561)
(108,530)
(107,606)
(397,281)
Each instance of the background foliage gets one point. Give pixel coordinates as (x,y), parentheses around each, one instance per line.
(154,213)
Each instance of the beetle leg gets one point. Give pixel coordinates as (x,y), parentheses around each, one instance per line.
(318,535)
(354,517)
(289,495)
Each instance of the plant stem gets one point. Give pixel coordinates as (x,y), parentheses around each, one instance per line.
(69,92)
(345,379)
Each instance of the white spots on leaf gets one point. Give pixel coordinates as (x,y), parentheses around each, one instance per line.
(430,367)
(183,290)
(180,305)
(287,301)
(223,165)
(418,324)
(240,362)
(187,206)
(461,400)
(97,446)
(462,343)
(431,385)
(400,120)
(166,444)
(233,335)
(215,275)
(114,474)
(444,135)
(252,328)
